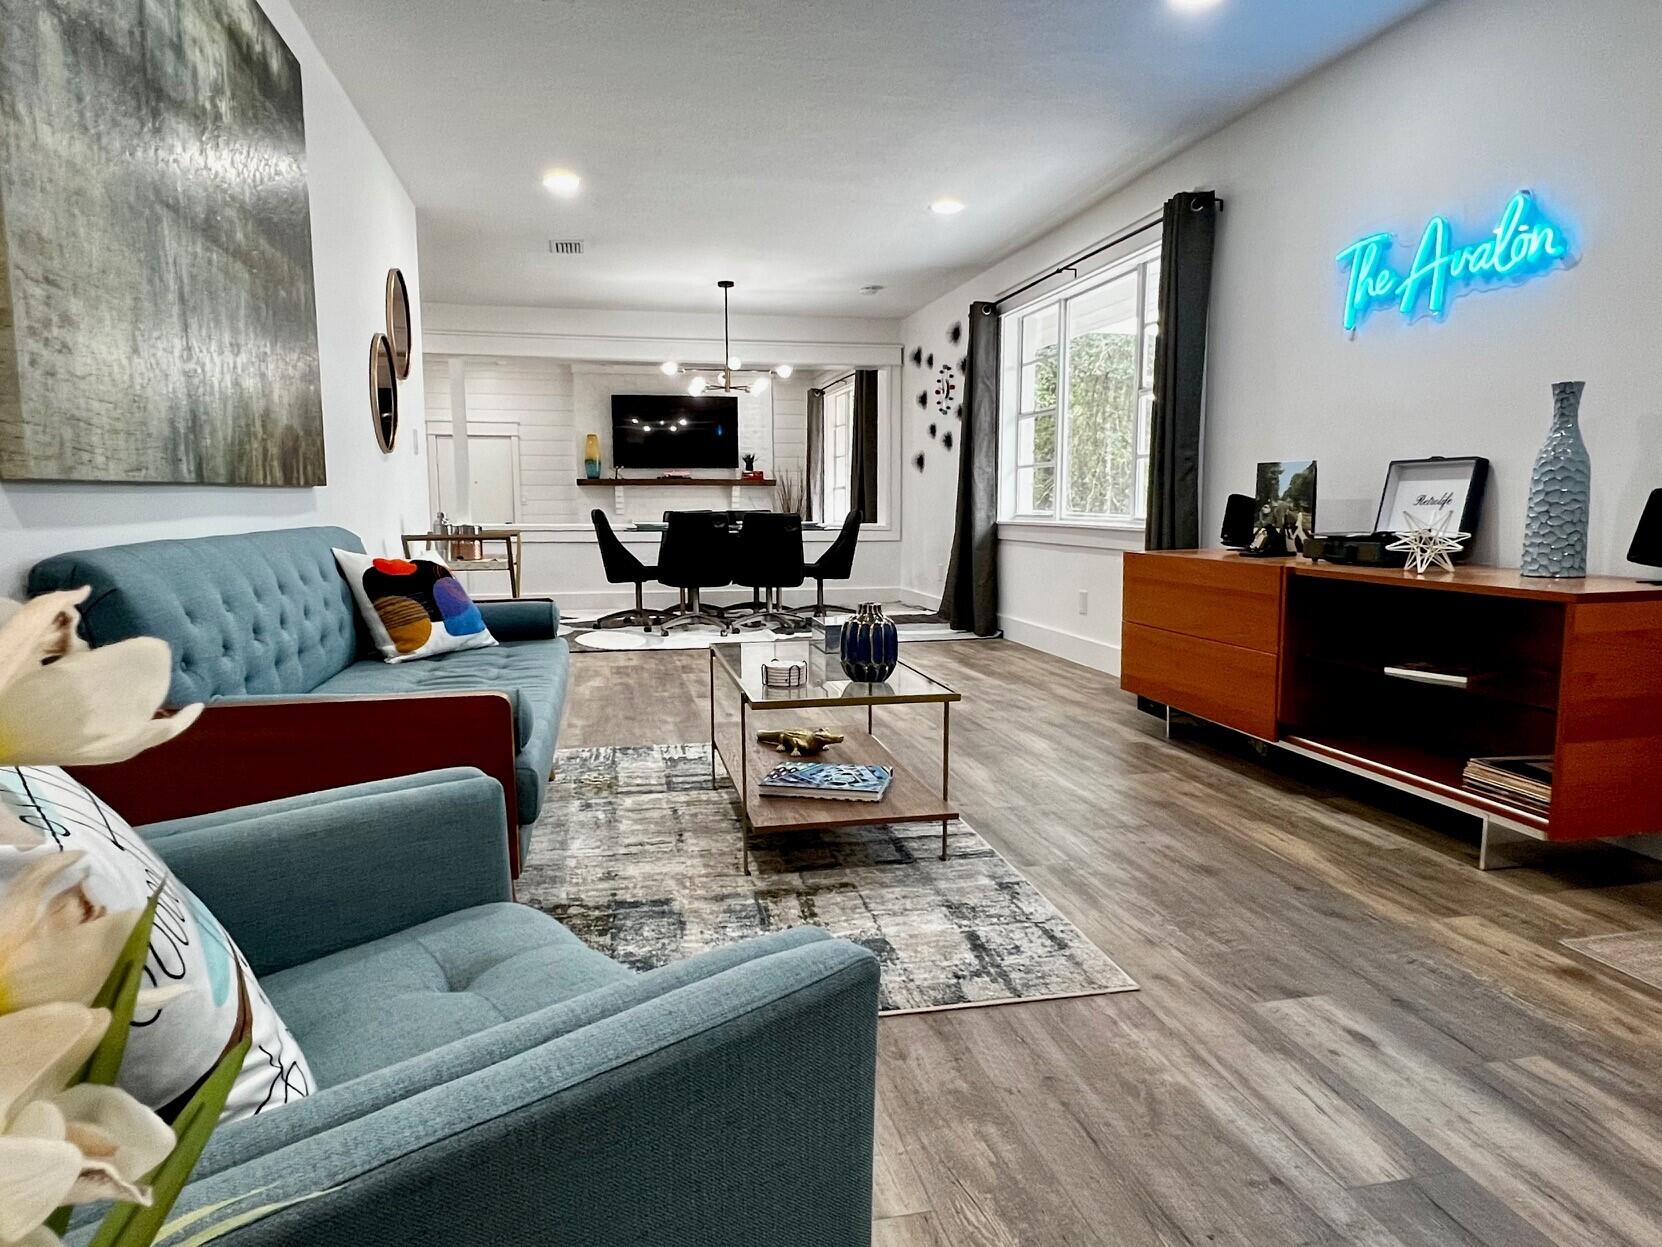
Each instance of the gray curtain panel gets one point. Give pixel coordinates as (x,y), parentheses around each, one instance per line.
(1190,226)
(969,599)
(815,505)
(862,488)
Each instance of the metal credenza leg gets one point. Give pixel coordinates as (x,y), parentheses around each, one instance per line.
(1502,848)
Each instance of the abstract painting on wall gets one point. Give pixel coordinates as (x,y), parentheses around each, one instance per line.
(157,316)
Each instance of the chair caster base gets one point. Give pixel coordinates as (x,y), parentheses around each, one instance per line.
(643,619)
(683,621)
(784,621)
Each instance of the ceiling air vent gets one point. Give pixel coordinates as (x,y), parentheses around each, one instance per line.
(565,246)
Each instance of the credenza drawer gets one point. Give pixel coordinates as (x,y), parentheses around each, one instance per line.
(1227,684)
(1235,601)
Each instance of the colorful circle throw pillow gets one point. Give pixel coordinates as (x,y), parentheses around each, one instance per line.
(414,608)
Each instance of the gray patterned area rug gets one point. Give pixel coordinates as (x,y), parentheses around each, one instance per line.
(639,856)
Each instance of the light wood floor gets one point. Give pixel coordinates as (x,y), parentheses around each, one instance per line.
(1345,1033)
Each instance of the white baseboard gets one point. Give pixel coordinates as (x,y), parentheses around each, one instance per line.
(1086,651)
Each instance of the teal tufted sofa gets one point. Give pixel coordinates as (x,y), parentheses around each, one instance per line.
(264,629)
(484,1078)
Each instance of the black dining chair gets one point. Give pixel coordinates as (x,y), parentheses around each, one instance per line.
(695,555)
(623,567)
(837,563)
(769,560)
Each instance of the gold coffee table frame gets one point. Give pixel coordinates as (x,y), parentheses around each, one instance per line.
(909,798)
(510,562)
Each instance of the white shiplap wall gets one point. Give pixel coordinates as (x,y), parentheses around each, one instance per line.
(550,406)
(533,398)
(790,426)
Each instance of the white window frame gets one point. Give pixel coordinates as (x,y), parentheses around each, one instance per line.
(836,470)
(1010,413)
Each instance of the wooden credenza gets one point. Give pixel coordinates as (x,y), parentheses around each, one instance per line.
(1294,653)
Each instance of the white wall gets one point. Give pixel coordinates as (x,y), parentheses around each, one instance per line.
(1449,113)
(550,405)
(629,336)
(363,223)
(531,400)
(626,344)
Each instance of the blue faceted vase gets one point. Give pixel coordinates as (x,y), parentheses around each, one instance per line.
(870,645)
(1560,493)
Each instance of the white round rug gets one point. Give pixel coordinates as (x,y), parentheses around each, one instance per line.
(698,636)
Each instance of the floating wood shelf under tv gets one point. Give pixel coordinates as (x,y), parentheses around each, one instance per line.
(675,481)
(1295,653)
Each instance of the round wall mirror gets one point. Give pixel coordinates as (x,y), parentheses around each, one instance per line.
(398,321)
(383,391)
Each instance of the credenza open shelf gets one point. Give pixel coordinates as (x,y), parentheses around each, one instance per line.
(1296,653)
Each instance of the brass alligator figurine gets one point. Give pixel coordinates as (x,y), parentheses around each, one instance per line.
(800,742)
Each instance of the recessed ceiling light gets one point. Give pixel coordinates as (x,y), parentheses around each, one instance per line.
(1194,6)
(562,182)
(947,207)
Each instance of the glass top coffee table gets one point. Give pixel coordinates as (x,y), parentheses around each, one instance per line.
(736,686)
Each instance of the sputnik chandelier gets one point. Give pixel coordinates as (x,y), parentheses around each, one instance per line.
(720,380)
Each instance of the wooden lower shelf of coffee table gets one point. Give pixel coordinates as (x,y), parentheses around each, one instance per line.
(911,798)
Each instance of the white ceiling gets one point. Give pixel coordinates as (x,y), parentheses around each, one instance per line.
(792,146)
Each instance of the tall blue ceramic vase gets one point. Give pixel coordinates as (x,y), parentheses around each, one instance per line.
(870,645)
(1560,493)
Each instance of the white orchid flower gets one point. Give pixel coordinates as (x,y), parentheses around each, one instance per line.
(56,943)
(62,704)
(17,834)
(63,1145)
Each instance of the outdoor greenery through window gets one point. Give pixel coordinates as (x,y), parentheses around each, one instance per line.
(1078,395)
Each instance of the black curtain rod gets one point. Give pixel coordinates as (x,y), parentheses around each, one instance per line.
(847,376)
(1072,266)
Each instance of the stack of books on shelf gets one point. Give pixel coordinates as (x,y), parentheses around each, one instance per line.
(832,781)
(1524,780)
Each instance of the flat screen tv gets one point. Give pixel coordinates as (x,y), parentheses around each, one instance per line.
(675,431)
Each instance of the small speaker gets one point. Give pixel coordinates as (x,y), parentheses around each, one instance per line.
(1238,514)
(1647,540)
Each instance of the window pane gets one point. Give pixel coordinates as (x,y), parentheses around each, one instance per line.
(1035,490)
(1145,422)
(1036,438)
(1102,397)
(1038,334)
(1151,319)
(1038,383)
(1142,487)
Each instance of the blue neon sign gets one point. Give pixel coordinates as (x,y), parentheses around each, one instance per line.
(1524,244)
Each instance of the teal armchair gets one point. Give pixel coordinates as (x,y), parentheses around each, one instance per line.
(484,1078)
